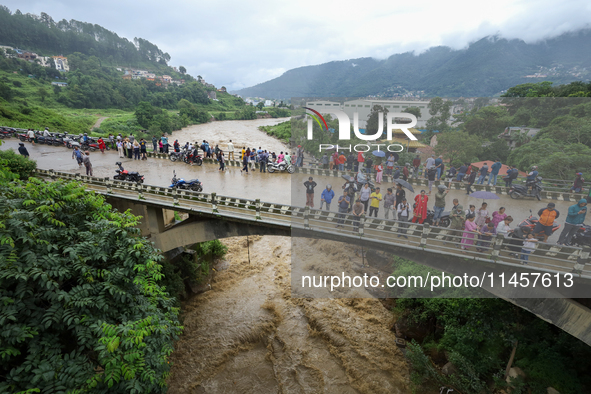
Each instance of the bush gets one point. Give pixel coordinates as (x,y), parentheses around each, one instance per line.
(17,164)
(82,310)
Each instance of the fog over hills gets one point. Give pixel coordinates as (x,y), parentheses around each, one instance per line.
(485,68)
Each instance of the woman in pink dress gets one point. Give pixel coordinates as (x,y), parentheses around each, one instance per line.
(470,231)
(379,173)
(498,216)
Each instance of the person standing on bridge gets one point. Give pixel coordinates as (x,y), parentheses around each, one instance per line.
(155,143)
(374,207)
(574,219)
(420,210)
(230,150)
(76,154)
(120,148)
(263,159)
(471,179)
(529,245)
(494,171)
(389,204)
(578,183)
(87,163)
(498,216)
(416,163)
(101,145)
(379,173)
(143,148)
(483,172)
(344,202)
(364,195)
(403,210)
(458,218)
(357,212)
(222,162)
(326,197)
(470,231)
(439,204)
(546,222)
(112,141)
(310,185)
(244,164)
(136,150)
(324,161)
(400,194)
(23,150)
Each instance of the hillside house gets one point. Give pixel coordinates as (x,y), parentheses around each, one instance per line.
(166,78)
(212,95)
(127,77)
(61,63)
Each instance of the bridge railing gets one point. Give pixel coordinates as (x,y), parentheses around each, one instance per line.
(546,257)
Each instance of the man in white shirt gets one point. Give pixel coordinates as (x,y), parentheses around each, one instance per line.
(46,132)
(430,162)
(31,135)
(230,150)
(403,210)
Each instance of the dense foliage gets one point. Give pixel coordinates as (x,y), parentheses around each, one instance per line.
(17,164)
(43,34)
(191,270)
(81,309)
(477,335)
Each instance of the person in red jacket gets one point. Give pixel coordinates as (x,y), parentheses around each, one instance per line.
(416,163)
(420,211)
(101,145)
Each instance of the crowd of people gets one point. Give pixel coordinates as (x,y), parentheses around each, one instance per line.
(474,227)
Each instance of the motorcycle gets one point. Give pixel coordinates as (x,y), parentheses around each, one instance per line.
(283,166)
(582,237)
(6,132)
(193,184)
(192,157)
(174,156)
(444,220)
(531,222)
(124,175)
(519,191)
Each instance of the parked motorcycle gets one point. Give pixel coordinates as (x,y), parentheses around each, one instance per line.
(192,157)
(193,184)
(444,220)
(124,175)
(531,222)
(174,156)
(283,166)
(6,132)
(581,237)
(520,191)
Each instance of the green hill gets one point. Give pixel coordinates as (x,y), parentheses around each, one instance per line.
(485,68)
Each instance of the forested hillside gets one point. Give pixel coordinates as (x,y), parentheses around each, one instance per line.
(47,37)
(485,68)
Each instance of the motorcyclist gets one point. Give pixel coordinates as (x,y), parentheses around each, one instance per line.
(85,138)
(46,132)
(531,177)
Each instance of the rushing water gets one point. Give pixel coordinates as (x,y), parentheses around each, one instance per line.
(248,335)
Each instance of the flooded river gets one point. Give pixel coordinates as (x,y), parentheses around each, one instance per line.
(248,335)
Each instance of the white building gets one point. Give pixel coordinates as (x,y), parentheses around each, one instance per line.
(364,106)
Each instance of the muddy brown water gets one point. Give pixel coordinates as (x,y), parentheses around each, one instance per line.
(248,335)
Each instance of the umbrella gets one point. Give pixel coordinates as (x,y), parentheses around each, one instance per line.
(485,195)
(404,183)
(378,153)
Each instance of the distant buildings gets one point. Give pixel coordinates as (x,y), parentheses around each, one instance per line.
(363,108)
(61,63)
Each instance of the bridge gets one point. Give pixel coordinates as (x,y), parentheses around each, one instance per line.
(211,216)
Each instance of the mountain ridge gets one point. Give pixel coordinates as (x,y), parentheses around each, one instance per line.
(484,68)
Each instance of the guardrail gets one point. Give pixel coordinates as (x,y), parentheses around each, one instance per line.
(500,250)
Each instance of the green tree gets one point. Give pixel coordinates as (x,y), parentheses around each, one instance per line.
(182,70)
(373,119)
(440,114)
(487,123)
(80,296)
(260,105)
(144,113)
(42,93)
(416,111)
(458,146)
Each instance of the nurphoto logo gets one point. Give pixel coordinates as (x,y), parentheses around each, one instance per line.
(345,129)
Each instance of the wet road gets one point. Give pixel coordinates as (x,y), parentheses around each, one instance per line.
(277,187)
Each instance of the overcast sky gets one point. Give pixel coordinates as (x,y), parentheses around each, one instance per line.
(241,43)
